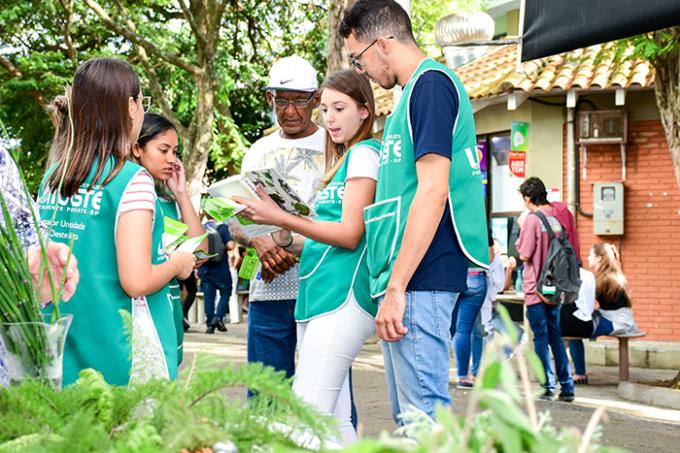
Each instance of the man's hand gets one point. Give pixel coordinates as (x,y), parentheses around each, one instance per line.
(57,256)
(274,259)
(389,321)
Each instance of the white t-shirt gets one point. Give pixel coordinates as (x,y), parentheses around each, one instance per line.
(302,163)
(586,296)
(363,163)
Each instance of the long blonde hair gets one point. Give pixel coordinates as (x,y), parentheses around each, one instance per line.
(609,278)
(356,86)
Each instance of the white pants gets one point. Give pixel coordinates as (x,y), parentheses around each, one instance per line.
(327,346)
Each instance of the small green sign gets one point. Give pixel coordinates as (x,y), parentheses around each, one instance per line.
(249,265)
(519,136)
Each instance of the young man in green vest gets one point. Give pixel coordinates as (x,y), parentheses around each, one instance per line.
(428,221)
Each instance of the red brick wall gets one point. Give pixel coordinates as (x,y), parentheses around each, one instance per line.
(650,246)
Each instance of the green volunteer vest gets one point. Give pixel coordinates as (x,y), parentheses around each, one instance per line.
(328,274)
(169,208)
(96,338)
(397,183)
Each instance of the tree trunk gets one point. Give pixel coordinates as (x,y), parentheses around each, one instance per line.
(337,57)
(200,135)
(667,91)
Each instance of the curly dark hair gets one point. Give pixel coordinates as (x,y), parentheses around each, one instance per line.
(535,190)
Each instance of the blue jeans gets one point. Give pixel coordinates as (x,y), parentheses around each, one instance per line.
(463,320)
(417,366)
(578,353)
(209,286)
(545,324)
(272,334)
(478,340)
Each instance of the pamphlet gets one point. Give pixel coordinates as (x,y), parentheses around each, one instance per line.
(174,238)
(274,185)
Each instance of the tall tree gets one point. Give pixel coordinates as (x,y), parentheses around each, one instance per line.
(204,63)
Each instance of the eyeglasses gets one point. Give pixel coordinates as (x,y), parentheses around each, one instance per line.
(282,103)
(146,103)
(355,61)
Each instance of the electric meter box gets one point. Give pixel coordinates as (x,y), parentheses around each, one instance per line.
(608,208)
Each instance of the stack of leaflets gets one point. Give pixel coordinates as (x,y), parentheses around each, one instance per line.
(174,238)
(274,185)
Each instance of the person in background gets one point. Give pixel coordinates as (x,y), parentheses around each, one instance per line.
(190,288)
(215,276)
(532,246)
(606,283)
(156,151)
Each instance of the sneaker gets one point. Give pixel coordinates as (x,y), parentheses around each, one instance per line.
(547,395)
(219,325)
(566,397)
(464,384)
(210,329)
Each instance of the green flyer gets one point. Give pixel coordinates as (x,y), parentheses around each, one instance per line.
(249,264)
(519,136)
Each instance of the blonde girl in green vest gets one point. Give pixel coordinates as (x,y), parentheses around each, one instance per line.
(334,310)
(105,205)
(156,151)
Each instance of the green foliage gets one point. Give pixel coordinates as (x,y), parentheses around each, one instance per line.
(192,412)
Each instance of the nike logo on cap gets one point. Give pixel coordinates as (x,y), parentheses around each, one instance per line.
(283,82)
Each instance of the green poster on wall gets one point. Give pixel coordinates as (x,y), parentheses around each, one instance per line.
(519,136)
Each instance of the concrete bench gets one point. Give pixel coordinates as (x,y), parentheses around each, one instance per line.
(624,357)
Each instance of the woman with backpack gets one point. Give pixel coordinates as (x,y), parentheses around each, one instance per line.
(334,310)
(156,151)
(606,283)
(103,204)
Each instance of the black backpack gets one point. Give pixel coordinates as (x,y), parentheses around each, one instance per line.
(559,281)
(215,245)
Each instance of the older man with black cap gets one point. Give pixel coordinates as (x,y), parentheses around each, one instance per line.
(296,150)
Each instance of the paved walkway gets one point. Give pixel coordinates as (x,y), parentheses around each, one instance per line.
(636,427)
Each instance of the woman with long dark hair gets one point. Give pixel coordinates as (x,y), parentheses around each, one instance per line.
(103,204)
(334,310)
(156,151)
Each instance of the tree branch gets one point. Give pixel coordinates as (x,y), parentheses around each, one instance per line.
(71,52)
(10,67)
(173,59)
(188,15)
(158,93)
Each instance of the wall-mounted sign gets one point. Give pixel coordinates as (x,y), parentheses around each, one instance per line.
(519,136)
(518,163)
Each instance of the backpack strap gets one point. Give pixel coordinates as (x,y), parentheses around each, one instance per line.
(546,224)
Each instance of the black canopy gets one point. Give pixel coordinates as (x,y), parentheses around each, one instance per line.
(555,26)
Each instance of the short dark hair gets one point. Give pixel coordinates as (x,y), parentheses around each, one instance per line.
(369,19)
(535,190)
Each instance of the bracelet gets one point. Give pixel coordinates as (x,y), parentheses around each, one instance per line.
(281,245)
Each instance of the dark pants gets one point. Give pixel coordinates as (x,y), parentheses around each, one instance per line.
(190,286)
(209,285)
(272,334)
(545,324)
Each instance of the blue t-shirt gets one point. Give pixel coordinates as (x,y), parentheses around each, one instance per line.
(433,109)
(218,270)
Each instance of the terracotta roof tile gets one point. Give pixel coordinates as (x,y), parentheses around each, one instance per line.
(592,68)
